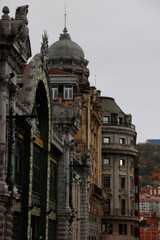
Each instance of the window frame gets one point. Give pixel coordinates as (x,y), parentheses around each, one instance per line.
(107,120)
(123,183)
(108,140)
(122,162)
(67,88)
(122,141)
(107,182)
(106,164)
(54,94)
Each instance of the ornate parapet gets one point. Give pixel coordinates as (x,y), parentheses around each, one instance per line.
(14,37)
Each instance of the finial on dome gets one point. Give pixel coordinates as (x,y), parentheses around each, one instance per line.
(65,20)
(65,16)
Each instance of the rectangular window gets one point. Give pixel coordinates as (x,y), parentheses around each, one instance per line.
(121,229)
(106,182)
(132,230)
(68,93)
(106,161)
(18,162)
(123,183)
(37,169)
(122,141)
(132,183)
(55,93)
(120,121)
(123,206)
(122,162)
(106,120)
(106,140)
(125,229)
(53,172)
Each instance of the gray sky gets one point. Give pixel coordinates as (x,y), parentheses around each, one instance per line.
(121,40)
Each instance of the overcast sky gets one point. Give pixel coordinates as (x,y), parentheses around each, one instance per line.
(121,41)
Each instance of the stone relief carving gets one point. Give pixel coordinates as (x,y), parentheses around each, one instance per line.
(87,159)
(23,31)
(44,47)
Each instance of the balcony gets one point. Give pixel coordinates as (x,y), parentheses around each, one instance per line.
(120,213)
(116,147)
(122,124)
(98,192)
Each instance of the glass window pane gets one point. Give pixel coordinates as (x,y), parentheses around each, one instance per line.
(106,161)
(66,93)
(70,93)
(105,120)
(106,139)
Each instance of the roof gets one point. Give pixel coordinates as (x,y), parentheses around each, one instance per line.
(65,48)
(109,105)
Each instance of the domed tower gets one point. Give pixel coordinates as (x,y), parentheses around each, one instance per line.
(119,173)
(66,55)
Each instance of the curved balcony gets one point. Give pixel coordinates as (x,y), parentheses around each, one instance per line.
(118,148)
(122,124)
(120,213)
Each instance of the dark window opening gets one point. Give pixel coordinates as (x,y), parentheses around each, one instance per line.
(122,141)
(120,121)
(123,183)
(37,169)
(53,185)
(125,229)
(123,205)
(34,227)
(18,163)
(121,229)
(106,182)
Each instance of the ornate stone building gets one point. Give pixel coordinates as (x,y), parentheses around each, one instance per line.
(51,146)
(69,80)
(119,173)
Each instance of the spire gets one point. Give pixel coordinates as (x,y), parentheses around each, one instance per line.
(65,34)
(65,17)
(65,21)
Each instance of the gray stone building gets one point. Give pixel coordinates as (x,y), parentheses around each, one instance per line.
(119,173)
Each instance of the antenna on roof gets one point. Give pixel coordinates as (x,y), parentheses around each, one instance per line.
(95,79)
(65,17)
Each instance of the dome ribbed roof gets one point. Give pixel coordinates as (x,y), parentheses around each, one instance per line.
(65,48)
(109,105)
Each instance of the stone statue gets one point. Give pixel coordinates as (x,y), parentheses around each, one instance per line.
(87,158)
(44,47)
(23,31)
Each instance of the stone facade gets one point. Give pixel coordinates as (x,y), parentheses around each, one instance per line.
(51,142)
(120,158)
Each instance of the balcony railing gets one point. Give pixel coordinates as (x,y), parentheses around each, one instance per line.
(123,124)
(120,147)
(119,212)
